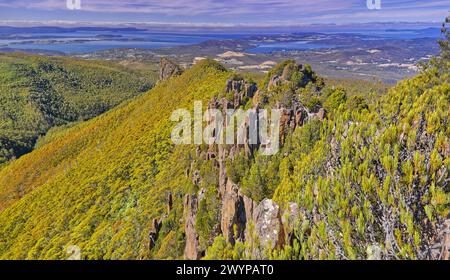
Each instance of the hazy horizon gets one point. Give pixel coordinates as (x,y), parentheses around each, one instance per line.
(226,28)
(221,13)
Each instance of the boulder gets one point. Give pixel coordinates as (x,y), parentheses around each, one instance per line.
(268,225)
(374,252)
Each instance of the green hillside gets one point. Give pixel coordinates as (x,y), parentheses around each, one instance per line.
(100,181)
(368,174)
(38,93)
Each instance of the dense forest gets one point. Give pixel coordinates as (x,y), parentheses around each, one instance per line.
(39,93)
(359,174)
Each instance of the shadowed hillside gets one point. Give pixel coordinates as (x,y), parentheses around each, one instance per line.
(38,93)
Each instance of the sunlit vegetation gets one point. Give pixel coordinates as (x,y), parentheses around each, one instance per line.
(38,93)
(374,176)
(100,183)
(374,172)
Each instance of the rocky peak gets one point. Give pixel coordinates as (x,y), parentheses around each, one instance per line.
(168,69)
(289,72)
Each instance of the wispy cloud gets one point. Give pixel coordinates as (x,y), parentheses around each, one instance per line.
(251,10)
(196,7)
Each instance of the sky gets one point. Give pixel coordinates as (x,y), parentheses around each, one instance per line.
(226,12)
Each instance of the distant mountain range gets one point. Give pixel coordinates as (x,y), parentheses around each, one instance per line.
(268,28)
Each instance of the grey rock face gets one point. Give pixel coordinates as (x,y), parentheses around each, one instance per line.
(190,214)
(268,225)
(374,252)
(168,69)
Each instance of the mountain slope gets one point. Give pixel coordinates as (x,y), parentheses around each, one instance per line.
(364,177)
(368,176)
(95,183)
(375,178)
(38,93)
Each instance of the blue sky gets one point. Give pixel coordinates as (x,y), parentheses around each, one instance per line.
(256,12)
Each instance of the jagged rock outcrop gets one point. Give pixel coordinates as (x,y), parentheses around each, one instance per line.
(241,89)
(233,214)
(246,143)
(249,208)
(291,73)
(241,218)
(239,212)
(153,235)
(190,205)
(250,89)
(241,86)
(289,70)
(157,223)
(222,158)
(275,81)
(296,116)
(168,69)
(285,120)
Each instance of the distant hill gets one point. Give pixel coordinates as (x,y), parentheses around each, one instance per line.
(38,93)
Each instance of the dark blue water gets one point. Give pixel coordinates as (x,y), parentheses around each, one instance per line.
(396,34)
(288,46)
(90,41)
(79,40)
